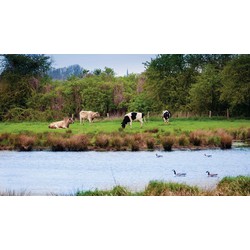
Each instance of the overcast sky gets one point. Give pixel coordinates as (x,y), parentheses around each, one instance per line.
(119,62)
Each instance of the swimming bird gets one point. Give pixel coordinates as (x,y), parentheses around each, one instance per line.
(208,155)
(158,156)
(211,175)
(179,174)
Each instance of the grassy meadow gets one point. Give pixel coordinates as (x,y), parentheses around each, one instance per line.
(114,125)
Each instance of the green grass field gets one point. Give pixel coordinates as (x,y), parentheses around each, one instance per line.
(176,125)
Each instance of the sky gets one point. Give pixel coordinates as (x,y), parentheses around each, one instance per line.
(120,63)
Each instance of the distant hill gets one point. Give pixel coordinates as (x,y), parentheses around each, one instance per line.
(64,73)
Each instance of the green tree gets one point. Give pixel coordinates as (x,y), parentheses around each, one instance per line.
(36,65)
(85,72)
(21,76)
(141,103)
(205,93)
(109,71)
(97,72)
(169,78)
(236,85)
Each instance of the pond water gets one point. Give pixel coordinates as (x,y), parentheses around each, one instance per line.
(63,173)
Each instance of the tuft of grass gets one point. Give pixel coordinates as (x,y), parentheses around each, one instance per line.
(24,142)
(214,141)
(150,143)
(158,188)
(135,146)
(183,140)
(234,186)
(116,142)
(116,191)
(167,142)
(77,143)
(195,137)
(56,143)
(226,141)
(102,141)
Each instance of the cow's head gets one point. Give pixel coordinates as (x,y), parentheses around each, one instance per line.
(70,120)
(125,121)
(96,114)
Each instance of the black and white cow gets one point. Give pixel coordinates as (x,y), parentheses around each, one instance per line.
(132,116)
(166,115)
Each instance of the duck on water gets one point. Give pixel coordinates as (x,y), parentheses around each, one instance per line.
(211,175)
(158,156)
(179,174)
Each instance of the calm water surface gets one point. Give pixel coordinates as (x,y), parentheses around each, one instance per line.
(42,173)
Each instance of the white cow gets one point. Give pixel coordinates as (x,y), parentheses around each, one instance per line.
(62,124)
(89,115)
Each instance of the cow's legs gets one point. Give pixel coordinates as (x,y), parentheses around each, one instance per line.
(141,121)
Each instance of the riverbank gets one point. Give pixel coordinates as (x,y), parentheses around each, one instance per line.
(228,186)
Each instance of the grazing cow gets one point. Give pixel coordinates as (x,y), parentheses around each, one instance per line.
(166,115)
(62,124)
(132,116)
(89,115)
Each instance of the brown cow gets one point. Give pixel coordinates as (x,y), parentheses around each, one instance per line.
(62,124)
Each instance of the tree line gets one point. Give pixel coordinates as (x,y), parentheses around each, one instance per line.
(198,84)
